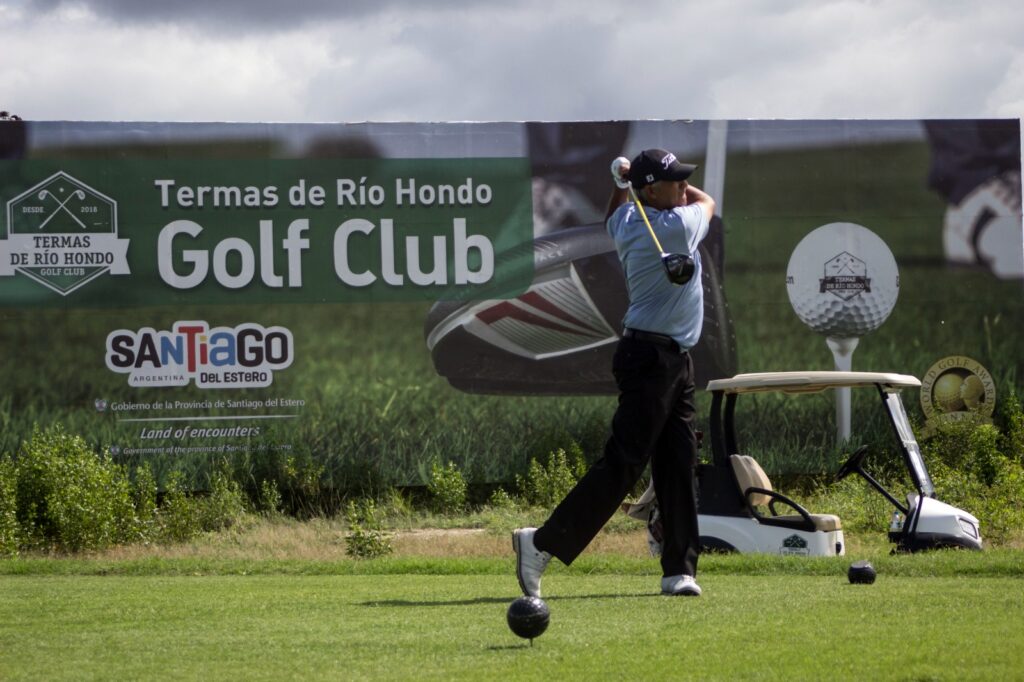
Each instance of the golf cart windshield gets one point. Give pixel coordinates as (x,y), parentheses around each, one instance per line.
(911,450)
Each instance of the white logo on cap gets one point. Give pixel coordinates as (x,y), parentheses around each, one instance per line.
(669,159)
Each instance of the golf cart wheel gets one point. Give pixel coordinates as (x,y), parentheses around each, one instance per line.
(710,545)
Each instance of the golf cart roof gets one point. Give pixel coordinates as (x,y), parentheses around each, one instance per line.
(808,382)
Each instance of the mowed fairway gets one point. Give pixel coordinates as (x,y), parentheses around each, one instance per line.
(609,626)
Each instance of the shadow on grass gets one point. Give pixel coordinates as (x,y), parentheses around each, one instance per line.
(500,600)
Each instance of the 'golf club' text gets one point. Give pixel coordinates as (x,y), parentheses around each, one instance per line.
(185,262)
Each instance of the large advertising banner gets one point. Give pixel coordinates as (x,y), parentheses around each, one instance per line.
(358,301)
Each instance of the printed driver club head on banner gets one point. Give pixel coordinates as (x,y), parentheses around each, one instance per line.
(559,336)
(843,283)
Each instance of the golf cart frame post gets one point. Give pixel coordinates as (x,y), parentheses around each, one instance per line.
(725,504)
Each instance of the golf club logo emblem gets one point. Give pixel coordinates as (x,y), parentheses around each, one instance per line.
(955,388)
(795,544)
(62,233)
(846,276)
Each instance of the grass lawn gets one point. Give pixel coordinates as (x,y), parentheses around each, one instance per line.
(452,627)
(195,614)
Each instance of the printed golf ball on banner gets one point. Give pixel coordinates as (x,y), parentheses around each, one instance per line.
(842,280)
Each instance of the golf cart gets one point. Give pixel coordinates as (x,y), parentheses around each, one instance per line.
(740,511)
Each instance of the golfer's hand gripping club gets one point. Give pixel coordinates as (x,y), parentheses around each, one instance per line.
(620,172)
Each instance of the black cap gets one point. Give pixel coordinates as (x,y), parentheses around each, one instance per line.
(652,165)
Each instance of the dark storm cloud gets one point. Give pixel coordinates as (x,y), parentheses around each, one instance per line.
(243,14)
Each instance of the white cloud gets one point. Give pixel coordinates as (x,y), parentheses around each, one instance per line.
(403,60)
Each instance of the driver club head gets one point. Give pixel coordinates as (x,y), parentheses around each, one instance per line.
(678,266)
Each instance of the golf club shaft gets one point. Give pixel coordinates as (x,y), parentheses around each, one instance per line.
(643,214)
(61,205)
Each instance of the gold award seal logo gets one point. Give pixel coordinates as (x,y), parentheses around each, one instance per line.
(957,387)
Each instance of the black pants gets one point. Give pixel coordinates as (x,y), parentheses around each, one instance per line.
(654,421)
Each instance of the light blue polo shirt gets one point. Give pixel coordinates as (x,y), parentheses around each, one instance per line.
(656,304)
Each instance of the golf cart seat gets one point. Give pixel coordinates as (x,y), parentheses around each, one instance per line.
(756,489)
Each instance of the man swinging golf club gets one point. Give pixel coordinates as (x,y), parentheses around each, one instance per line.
(654,373)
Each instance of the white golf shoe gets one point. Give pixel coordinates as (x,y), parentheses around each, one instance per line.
(680,586)
(530,561)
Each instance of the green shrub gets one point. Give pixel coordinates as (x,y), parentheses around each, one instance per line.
(500,499)
(69,496)
(978,467)
(1011,418)
(366,538)
(269,502)
(397,504)
(178,519)
(969,445)
(184,515)
(546,484)
(301,479)
(145,498)
(224,506)
(59,493)
(9,530)
(997,504)
(447,488)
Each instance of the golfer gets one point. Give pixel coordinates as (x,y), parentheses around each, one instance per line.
(654,373)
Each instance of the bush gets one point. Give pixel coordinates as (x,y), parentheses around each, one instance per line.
(997,504)
(9,531)
(178,519)
(447,488)
(971,469)
(59,493)
(366,538)
(269,502)
(224,506)
(184,516)
(970,446)
(500,499)
(546,484)
(69,496)
(145,498)
(1011,419)
(301,476)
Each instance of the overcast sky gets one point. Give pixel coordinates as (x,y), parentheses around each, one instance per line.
(509,60)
